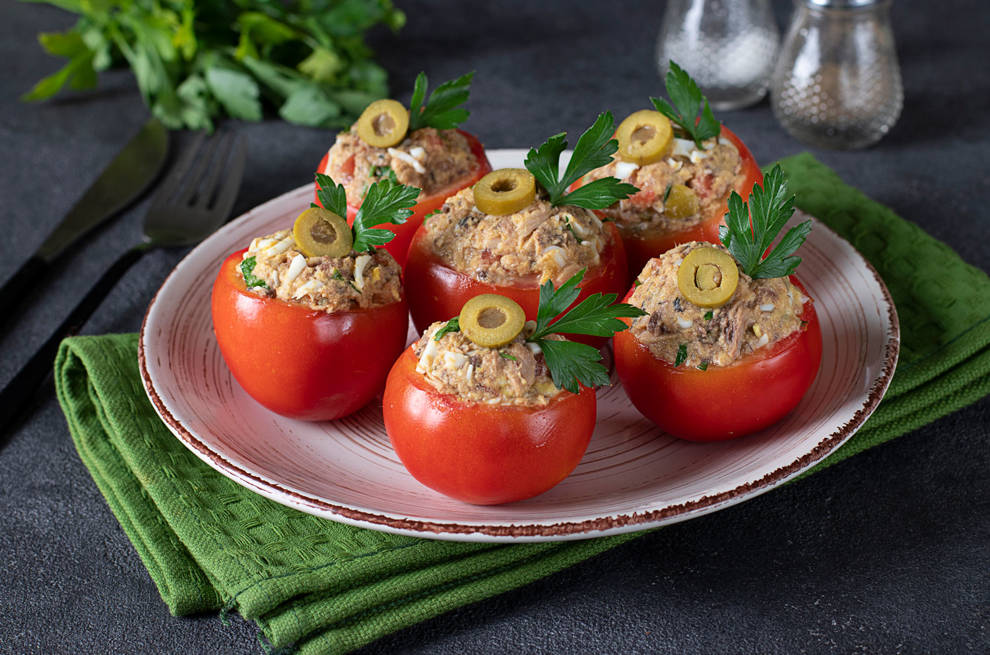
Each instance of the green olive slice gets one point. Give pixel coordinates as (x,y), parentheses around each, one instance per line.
(491,320)
(644,137)
(505,191)
(681,202)
(321,233)
(383,123)
(708,277)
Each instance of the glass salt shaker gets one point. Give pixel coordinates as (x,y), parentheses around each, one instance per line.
(837,83)
(727,46)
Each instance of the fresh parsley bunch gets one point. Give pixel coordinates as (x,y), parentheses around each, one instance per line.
(594,149)
(686,100)
(198,60)
(570,363)
(385,202)
(751,228)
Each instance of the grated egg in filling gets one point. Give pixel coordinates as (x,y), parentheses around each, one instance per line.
(711,175)
(760,313)
(540,242)
(513,374)
(330,284)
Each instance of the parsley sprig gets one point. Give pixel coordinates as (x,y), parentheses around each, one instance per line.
(385,202)
(443,110)
(751,227)
(594,149)
(571,363)
(687,100)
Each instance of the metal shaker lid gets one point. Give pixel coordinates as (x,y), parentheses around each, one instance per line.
(844,4)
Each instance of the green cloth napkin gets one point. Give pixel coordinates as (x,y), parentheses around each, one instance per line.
(316,586)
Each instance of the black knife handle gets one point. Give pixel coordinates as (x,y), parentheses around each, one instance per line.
(16,397)
(16,288)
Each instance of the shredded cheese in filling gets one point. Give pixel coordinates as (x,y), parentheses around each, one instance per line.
(513,374)
(761,312)
(711,174)
(357,280)
(540,242)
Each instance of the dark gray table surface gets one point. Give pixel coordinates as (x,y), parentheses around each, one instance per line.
(884,553)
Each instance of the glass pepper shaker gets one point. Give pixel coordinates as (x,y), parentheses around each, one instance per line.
(727,46)
(837,83)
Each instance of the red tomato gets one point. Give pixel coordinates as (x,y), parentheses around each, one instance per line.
(404,232)
(722,402)
(483,454)
(641,248)
(299,362)
(437,292)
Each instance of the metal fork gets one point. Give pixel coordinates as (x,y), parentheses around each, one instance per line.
(192,202)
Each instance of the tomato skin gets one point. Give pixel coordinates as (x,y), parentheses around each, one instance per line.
(399,246)
(301,363)
(483,454)
(641,248)
(437,292)
(722,402)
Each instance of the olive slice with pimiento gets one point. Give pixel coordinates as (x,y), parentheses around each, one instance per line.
(383,123)
(505,191)
(644,137)
(491,320)
(681,202)
(708,277)
(321,233)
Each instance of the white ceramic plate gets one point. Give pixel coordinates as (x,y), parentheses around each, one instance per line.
(632,476)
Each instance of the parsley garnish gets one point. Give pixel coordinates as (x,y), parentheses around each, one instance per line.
(703,366)
(593,150)
(386,202)
(337,276)
(751,227)
(708,315)
(572,363)
(384,172)
(681,354)
(687,101)
(453,325)
(247,270)
(442,111)
(508,356)
(666,192)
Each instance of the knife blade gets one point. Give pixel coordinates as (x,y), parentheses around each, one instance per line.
(124,179)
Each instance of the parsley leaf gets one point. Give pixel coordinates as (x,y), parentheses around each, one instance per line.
(331,194)
(510,356)
(751,228)
(681,354)
(386,202)
(594,149)
(384,172)
(247,270)
(442,111)
(572,363)
(453,325)
(687,101)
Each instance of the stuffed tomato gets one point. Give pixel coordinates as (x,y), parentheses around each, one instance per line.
(310,320)
(682,197)
(517,229)
(420,147)
(729,341)
(491,408)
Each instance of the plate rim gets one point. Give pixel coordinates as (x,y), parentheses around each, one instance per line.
(564,530)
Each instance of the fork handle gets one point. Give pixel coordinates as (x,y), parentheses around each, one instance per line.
(16,288)
(16,397)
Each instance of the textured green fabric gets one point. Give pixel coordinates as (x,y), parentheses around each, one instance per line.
(316,586)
